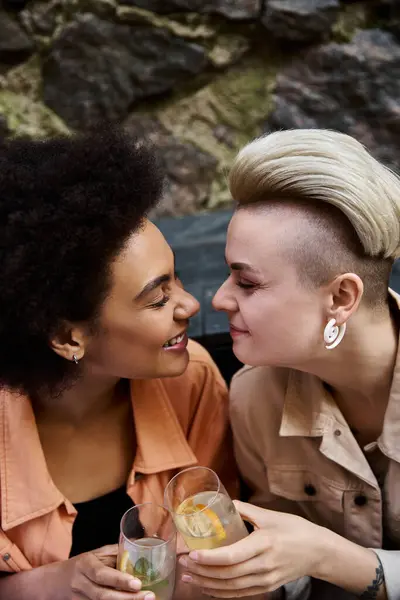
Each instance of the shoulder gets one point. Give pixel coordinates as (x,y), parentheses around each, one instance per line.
(257,395)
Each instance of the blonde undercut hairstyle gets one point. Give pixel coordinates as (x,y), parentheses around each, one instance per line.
(351,202)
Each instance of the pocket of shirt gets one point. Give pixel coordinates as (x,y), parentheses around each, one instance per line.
(320,499)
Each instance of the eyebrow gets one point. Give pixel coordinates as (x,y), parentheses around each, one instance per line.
(152,285)
(155,283)
(241,266)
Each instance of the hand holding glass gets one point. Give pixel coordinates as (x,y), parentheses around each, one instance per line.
(147,548)
(202,510)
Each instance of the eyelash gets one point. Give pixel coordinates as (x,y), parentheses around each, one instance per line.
(161,302)
(245,286)
(165,299)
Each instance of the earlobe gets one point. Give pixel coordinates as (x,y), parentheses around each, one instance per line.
(333,334)
(69,343)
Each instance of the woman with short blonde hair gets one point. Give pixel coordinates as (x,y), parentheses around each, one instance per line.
(316,416)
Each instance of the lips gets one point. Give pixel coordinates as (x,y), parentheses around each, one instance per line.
(175,340)
(237,329)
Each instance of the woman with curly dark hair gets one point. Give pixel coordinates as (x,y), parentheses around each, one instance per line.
(102,397)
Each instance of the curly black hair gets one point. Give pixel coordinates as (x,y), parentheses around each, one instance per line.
(67,207)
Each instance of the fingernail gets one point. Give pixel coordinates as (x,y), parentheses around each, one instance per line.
(135,585)
(150,596)
(187,578)
(183,562)
(194,556)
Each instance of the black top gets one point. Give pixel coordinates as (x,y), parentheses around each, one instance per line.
(98,521)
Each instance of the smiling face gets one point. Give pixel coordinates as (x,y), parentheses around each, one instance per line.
(275,318)
(145,310)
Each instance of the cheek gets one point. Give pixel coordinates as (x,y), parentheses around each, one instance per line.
(279,323)
(126,332)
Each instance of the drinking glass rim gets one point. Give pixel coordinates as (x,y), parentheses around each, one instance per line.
(164,542)
(208,504)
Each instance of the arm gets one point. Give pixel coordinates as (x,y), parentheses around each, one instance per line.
(371,574)
(29,585)
(91,576)
(284,548)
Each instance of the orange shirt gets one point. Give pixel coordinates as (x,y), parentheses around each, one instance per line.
(179,422)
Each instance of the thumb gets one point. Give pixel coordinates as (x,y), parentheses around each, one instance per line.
(253,514)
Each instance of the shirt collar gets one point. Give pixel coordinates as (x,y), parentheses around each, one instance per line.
(27,490)
(161,441)
(307,408)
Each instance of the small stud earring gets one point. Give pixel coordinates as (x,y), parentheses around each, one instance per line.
(333,334)
(75,359)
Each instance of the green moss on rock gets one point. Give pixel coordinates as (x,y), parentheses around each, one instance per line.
(225,115)
(29,118)
(352,18)
(199,29)
(21,105)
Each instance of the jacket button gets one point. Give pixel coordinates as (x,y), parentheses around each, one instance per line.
(310,490)
(360,500)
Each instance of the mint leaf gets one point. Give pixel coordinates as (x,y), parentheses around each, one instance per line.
(144,571)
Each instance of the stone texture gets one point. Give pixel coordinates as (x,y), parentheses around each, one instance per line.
(300,21)
(13,39)
(189,170)
(231,9)
(354,88)
(4,130)
(96,70)
(390,12)
(41,18)
(29,118)
(221,117)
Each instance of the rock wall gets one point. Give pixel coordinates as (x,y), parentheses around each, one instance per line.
(202,77)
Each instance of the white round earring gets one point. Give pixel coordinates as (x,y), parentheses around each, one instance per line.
(333,334)
(75,359)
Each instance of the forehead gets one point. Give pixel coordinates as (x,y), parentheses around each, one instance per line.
(255,234)
(145,256)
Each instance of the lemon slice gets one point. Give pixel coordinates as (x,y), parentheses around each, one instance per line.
(125,564)
(200,521)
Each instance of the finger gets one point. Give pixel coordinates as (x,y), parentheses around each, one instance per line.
(253,566)
(253,514)
(239,583)
(92,591)
(105,576)
(110,550)
(253,591)
(234,554)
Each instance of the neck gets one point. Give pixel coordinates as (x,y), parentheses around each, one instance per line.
(88,397)
(360,370)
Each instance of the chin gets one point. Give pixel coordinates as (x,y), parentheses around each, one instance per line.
(250,358)
(176,366)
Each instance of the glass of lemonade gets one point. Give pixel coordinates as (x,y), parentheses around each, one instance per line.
(202,510)
(147,548)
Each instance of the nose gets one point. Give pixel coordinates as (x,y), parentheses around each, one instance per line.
(187,306)
(224,299)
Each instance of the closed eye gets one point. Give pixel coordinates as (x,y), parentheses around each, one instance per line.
(245,286)
(164,300)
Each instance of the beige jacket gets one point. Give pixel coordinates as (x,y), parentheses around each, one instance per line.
(297,453)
